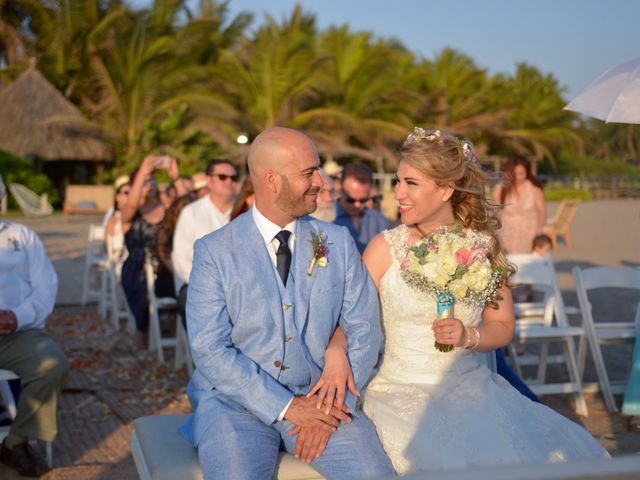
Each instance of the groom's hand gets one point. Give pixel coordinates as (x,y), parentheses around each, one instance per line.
(303,412)
(310,443)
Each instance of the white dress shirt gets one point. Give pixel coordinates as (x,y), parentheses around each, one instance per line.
(28,282)
(269,230)
(195,221)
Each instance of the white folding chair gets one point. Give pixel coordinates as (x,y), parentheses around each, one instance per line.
(116,302)
(96,264)
(605,333)
(549,327)
(10,404)
(157,343)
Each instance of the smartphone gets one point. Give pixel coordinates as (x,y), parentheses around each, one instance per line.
(164,162)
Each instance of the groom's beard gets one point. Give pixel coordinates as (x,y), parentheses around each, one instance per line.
(295,204)
(326,212)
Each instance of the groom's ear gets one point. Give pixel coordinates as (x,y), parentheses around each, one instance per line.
(272,180)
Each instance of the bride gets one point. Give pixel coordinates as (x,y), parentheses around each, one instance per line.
(438,410)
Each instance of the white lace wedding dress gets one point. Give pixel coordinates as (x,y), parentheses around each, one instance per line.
(439,411)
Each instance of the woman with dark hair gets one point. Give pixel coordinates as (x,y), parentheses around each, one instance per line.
(244,200)
(523,213)
(141,217)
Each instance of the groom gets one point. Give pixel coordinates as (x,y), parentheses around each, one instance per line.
(260,313)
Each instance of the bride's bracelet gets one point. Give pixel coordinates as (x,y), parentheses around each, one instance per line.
(467,343)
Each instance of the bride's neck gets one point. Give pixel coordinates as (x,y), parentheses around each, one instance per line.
(428,226)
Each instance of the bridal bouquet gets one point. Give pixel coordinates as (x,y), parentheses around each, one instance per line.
(452,264)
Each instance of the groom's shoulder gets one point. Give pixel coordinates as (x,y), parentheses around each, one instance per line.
(227,234)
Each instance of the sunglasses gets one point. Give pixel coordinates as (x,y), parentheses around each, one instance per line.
(350,199)
(376,198)
(223,177)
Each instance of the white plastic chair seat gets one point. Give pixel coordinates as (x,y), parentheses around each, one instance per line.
(524,332)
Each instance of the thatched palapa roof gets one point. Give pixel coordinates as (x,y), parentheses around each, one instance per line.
(36,120)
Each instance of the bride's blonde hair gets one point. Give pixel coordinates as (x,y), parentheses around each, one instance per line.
(450,161)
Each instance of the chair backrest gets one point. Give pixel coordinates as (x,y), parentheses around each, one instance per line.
(30,202)
(535,270)
(603,277)
(566,212)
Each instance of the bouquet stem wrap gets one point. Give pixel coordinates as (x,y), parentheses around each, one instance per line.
(445,310)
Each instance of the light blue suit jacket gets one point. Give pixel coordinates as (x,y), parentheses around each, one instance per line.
(236,323)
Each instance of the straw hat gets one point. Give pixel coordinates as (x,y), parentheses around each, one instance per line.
(332,168)
(199,180)
(120,181)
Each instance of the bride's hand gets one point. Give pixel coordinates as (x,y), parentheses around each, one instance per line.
(449,331)
(337,374)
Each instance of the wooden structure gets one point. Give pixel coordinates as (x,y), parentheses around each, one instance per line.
(39,123)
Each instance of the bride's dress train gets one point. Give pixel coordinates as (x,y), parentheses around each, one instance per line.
(440,411)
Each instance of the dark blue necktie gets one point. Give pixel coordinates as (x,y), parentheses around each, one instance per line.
(283,255)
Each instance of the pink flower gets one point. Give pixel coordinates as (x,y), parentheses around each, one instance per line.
(463,257)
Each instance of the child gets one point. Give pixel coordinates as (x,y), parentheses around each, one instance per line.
(541,245)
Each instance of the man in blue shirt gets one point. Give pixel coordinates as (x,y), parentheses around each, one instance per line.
(363,223)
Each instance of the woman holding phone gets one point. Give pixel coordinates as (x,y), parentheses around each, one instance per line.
(141,216)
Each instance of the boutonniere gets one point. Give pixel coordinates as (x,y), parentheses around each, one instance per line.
(320,251)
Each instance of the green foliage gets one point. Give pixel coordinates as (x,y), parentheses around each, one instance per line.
(183,77)
(20,170)
(557,194)
(573,164)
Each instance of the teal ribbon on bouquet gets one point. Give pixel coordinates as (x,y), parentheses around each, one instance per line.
(445,302)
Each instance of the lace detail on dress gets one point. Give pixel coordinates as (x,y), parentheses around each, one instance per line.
(397,239)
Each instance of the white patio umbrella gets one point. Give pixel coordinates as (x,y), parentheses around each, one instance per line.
(613,97)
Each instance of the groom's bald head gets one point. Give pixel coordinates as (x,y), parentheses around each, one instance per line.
(274,148)
(283,164)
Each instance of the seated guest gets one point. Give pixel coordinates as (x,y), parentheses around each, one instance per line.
(167,194)
(326,201)
(199,218)
(363,223)
(541,245)
(375,201)
(28,285)
(164,235)
(244,200)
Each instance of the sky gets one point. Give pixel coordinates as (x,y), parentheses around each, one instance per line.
(575,40)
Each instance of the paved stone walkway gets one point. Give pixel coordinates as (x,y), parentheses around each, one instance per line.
(111,383)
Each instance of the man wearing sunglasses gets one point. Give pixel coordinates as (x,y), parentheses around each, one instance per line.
(199,218)
(363,223)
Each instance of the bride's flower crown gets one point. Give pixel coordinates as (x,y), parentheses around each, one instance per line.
(420,134)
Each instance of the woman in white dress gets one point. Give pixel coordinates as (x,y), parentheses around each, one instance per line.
(437,410)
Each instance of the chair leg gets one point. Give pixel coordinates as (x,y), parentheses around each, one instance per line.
(567,238)
(572,366)
(553,234)
(102,291)
(582,356)
(85,274)
(49,450)
(7,398)
(542,362)
(514,358)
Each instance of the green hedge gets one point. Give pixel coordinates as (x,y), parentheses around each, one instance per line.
(557,194)
(20,170)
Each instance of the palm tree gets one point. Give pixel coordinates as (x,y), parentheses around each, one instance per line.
(362,107)
(537,126)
